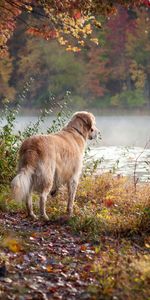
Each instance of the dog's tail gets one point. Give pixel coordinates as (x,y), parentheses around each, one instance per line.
(21,184)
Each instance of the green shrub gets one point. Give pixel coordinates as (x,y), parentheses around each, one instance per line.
(129,99)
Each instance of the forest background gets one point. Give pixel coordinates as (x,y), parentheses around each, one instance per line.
(114,74)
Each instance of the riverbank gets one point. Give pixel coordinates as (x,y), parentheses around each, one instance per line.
(102,252)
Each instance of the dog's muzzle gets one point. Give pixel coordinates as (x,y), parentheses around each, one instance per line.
(94,134)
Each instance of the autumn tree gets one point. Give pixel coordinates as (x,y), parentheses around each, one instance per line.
(138,49)
(64,20)
(96,75)
(118,72)
(128,44)
(115,72)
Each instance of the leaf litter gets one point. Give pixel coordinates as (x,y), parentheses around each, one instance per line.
(46,260)
(43,261)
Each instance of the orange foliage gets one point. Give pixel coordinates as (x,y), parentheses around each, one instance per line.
(55,19)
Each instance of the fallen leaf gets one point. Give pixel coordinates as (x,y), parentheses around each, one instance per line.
(83,248)
(49,268)
(12,244)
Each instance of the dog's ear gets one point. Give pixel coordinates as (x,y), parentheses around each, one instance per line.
(86,118)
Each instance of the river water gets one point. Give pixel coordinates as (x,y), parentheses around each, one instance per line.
(124,142)
(125,147)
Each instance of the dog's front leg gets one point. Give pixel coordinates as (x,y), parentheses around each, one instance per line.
(72,187)
(29,207)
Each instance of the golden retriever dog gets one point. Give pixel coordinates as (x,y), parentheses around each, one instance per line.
(48,161)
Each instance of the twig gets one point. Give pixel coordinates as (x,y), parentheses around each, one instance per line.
(135,179)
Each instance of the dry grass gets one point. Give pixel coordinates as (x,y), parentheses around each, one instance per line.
(107,204)
(104,205)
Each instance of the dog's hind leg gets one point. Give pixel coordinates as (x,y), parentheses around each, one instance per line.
(29,207)
(72,186)
(43,199)
(55,186)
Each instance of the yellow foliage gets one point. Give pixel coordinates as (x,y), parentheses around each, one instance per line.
(73,49)
(87,29)
(81,43)
(137,74)
(12,244)
(29,8)
(62,41)
(97,24)
(94,40)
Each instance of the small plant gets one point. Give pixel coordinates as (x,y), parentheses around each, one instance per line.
(91,165)
(9,143)
(135,178)
(62,116)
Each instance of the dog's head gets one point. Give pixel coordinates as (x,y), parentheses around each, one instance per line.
(84,122)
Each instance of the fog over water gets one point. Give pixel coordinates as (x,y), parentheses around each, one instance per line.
(124,130)
(115,130)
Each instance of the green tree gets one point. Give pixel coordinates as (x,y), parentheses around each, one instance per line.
(55,71)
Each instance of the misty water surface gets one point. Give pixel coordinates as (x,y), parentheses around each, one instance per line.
(124,131)
(123,140)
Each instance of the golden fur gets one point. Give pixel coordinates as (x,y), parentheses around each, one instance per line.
(49,161)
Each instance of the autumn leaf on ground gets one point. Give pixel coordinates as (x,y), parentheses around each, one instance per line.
(109,202)
(49,268)
(12,244)
(83,248)
(77,14)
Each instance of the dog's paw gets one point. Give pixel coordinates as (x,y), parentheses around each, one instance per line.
(69,213)
(45,217)
(33,216)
